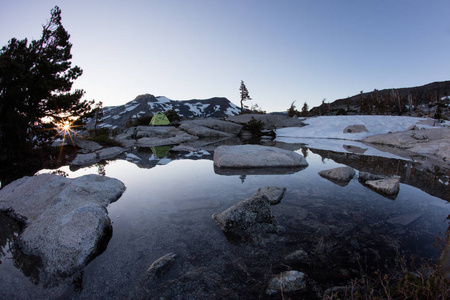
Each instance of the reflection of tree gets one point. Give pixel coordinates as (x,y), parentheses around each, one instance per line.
(101,167)
(9,232)
(305,151)
(60,173)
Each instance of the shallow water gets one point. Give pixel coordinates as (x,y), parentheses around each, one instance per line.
(168,208)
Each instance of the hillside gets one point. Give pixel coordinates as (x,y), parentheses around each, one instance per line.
(415,101)
(147,105)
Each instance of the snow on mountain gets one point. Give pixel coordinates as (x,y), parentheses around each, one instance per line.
(146,105)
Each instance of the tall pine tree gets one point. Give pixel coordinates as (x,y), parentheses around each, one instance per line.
(36,87)
(244,96)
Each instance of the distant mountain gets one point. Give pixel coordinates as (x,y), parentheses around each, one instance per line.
(389,101)
(147,105)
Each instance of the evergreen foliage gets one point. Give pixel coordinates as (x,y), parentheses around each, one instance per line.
(244,96)
(292,111)
(35,88)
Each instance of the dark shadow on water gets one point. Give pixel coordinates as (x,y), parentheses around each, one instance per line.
(256,171)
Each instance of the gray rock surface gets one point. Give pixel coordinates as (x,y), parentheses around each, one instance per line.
(219,125)
(202,131)
(340,174)
(355,129)
(273,193)
(249,220)
(365,176)
(389,186)
(160,266)
(270,121)
(83,144)
(289,281)
(92,158)
(431,143)
(256,156)
(65,218)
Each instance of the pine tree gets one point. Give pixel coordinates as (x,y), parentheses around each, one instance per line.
(244,96)
(35,87)
(305,110)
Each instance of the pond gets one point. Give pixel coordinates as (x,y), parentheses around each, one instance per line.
(167,208)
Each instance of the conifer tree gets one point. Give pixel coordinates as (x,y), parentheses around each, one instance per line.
(244,96)
(305,110)
(36,85)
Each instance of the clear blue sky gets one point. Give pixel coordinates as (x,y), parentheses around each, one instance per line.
(284,50)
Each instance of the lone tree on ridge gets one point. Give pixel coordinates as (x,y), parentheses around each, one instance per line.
(244,96)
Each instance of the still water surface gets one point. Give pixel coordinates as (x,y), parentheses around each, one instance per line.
(168,208)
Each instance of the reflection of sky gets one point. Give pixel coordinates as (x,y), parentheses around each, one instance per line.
(168,208)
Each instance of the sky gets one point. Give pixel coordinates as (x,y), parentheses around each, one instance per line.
(283,50)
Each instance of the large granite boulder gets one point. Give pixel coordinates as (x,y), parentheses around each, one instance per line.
(256,156)
(250,220)
(88,159)
(215,124)
(202,131)
(65,218)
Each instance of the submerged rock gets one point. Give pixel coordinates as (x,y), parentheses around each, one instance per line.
(248,220)
(65,218)
(340,175)
(289,281)
(160,266)
(256,156)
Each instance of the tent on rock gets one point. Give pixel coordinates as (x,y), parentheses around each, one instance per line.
(159,119)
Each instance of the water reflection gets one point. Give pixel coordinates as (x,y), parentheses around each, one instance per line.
(168,207)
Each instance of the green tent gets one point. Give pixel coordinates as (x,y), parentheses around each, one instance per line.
(159,119)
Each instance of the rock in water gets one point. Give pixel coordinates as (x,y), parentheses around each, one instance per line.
(388,186)
(273,193)
(65,218)
(289,281)
(248,220)
(256,156)
(341,175)
(160,266)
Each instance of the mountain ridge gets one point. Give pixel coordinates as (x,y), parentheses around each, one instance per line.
(147,104)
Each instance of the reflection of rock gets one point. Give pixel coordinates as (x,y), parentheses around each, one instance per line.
(250,219)
(255,171)
(355,129)
(433,182)
(354,149)
(66,218)
(340,175)
(289,281)
(256,156)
